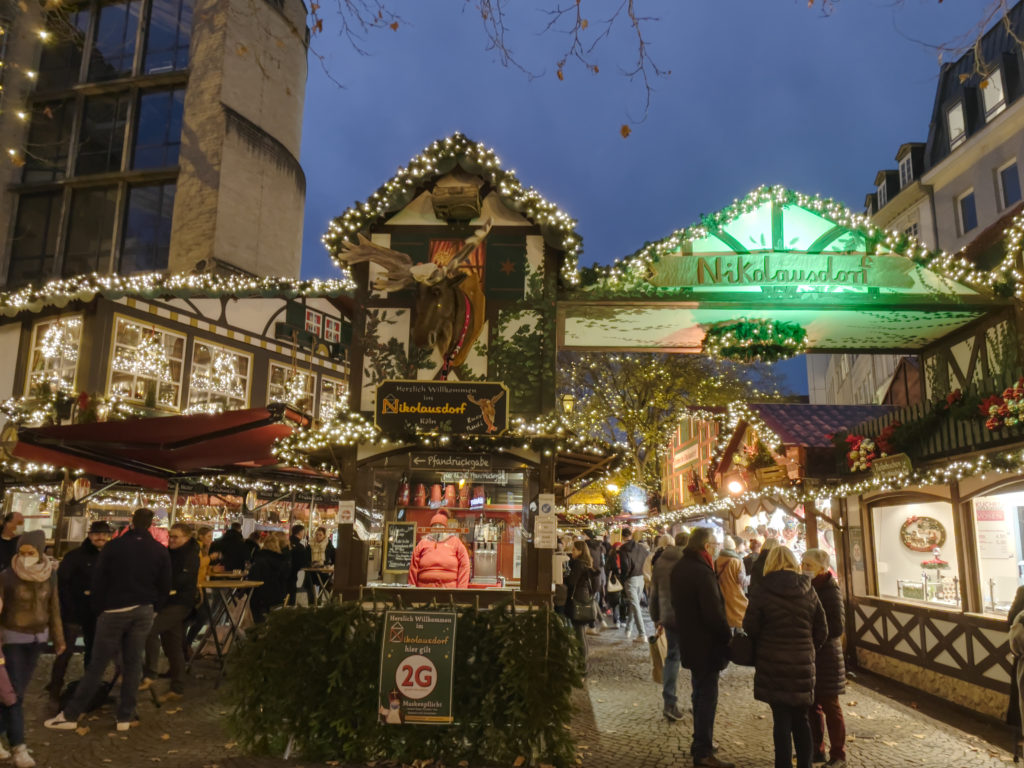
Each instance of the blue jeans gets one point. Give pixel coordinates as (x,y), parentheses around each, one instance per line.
(670,672)
(116,633)
(705,703)
(634,588)
(790,728)
(21,665)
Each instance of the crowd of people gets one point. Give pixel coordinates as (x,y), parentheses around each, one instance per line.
(709,597)
(127,596)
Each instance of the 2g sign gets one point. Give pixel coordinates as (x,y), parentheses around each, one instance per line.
(416,677)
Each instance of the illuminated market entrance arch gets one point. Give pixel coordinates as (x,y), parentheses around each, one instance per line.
(781,256)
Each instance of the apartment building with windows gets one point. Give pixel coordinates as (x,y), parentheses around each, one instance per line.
(145,135)
(957,191)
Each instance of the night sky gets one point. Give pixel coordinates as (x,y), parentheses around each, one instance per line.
(761,92)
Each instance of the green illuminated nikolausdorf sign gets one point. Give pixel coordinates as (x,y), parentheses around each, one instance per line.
(781,256)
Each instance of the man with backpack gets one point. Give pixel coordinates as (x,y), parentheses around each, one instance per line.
(632,556)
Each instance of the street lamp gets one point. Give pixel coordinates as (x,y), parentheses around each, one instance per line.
(568,400)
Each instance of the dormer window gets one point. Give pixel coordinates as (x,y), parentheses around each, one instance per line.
(883,198)
(956,125)
(906,172)
(992,94)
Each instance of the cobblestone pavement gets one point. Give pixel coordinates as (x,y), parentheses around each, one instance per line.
(618,724)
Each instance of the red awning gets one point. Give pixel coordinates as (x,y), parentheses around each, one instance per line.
(149,452)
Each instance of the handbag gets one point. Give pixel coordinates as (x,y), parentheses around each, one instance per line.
(659,650)
(741,649)
(582,611)
(614,585)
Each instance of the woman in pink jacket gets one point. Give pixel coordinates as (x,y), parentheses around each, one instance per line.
(440,560)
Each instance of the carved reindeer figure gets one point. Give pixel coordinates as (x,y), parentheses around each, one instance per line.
(450,303)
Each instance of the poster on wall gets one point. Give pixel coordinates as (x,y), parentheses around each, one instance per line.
(992,531)
(857,548)
(416,661)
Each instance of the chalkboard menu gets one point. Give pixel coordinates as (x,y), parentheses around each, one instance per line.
(400,541)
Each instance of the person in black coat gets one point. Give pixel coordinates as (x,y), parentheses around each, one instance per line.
(232,549)
(272,566)
(74,579)
(787,624)
(300,559)
(168,629)
(582,581)
(757,568)
(829,665)
(704,636)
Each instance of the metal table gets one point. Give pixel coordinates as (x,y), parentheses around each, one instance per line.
(227,604)
(322,579)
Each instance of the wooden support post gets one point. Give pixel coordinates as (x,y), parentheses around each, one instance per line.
(811,523)
(350,556)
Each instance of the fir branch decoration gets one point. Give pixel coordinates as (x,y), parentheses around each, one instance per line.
(757,340)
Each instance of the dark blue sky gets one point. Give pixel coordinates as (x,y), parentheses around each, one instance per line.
(761,92)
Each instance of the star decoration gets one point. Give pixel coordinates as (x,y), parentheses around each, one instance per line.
(508,267)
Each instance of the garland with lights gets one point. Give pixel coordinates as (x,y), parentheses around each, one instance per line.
(157,284)
(754,341)
(439,158)
(629,275)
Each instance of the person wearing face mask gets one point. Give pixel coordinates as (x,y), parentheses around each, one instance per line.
(830,667)
(74,582)
(13,526)
(30,619)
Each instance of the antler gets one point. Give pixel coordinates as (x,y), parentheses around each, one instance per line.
(398,265)
(467,248)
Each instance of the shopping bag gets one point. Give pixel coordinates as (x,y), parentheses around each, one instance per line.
(659,650)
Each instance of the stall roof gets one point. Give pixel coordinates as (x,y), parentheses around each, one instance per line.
(149,452)
(810,425)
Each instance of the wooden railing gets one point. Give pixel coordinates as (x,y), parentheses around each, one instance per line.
(953,435)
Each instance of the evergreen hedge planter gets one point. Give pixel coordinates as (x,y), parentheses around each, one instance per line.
(310,677)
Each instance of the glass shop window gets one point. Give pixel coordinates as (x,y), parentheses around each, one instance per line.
(916,553)
(158,129)
(484,509)
(61,59)
(34,245)
(147,228)
(220,378)
(168,36)
(146,364)
(49,141)
(999,530)
(113,50)
(91,231)
(54,357)
(333,398)
(289,386)
(101,143)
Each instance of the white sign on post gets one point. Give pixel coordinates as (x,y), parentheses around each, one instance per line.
(347,512)
(545,532)
(546,503)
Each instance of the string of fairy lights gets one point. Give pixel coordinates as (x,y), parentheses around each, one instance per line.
(439,158)
(157,284)
(631,272)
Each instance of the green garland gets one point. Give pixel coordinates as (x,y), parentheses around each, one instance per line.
(750,341)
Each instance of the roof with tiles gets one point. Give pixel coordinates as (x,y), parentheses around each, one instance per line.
(809,425)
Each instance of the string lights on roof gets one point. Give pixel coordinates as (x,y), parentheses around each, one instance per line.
(441,157)
(156,284)
(630,274)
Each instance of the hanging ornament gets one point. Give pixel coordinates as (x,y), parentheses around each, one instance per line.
(295,389)
(60,342)
(757,340)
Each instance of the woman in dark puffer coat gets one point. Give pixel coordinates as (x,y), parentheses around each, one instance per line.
(787,624)
(830,682)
